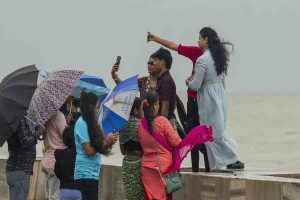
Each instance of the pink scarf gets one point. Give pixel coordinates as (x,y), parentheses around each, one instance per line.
(197,135)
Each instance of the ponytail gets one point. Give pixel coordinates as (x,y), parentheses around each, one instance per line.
(148,108)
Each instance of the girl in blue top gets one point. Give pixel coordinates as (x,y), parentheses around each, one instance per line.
(90,143)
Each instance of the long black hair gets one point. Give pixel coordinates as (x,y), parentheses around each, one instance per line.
(68,137)
(217,48)
(88,101)
(148,107)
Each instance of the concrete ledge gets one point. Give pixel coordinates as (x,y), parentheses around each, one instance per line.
(229,187)
(37,182)
(251,184)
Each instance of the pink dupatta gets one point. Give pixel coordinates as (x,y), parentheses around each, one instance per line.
(197,135)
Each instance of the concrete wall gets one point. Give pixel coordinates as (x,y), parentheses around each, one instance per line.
(248,185)
(37,183)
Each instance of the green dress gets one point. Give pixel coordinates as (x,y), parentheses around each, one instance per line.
(131,166)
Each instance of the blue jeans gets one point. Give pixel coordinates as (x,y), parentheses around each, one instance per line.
(18,182)
(68,194)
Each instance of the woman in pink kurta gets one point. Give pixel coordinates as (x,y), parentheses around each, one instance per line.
(54,130)
(154,184)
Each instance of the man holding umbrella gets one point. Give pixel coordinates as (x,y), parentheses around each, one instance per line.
(16,91)
(19,166)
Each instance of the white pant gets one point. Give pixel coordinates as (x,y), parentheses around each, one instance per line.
(52,188)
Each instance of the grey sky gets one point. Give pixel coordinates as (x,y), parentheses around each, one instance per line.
(90,34)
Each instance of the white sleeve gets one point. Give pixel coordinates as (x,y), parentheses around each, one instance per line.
(200,70)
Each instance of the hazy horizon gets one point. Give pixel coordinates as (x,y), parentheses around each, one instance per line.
(90,34)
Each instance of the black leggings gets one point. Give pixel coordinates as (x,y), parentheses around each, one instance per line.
(88,188)
(192,121)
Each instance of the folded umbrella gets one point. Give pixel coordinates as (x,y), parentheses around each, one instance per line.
(52,93)
(16,91)
(116,107)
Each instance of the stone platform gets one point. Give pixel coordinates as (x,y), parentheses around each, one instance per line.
(250,184)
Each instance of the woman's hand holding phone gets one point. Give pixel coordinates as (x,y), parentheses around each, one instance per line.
(115,69)
(112,137)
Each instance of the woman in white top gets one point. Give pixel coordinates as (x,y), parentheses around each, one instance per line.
(209,81)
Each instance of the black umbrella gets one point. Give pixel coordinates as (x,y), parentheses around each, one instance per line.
(16,91)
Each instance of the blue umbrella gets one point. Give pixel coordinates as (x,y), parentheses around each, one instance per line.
(96,81)
(93,80)
(116,107)
(90,84)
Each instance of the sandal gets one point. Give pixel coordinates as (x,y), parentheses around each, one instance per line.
(236,165)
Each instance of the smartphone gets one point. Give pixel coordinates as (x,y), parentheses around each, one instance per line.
(118,60)
(148,36)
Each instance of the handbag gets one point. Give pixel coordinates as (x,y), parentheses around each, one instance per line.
(173,182)
(172,179)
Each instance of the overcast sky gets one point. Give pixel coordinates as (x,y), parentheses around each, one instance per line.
(89,34)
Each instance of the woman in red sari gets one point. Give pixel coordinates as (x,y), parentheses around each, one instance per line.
(154,154)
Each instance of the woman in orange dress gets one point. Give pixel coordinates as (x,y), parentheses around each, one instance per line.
(153,152)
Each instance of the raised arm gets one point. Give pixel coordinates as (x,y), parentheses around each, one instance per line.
(114,75)
(167,43)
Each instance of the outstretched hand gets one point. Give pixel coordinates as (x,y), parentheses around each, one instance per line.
(150,37)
